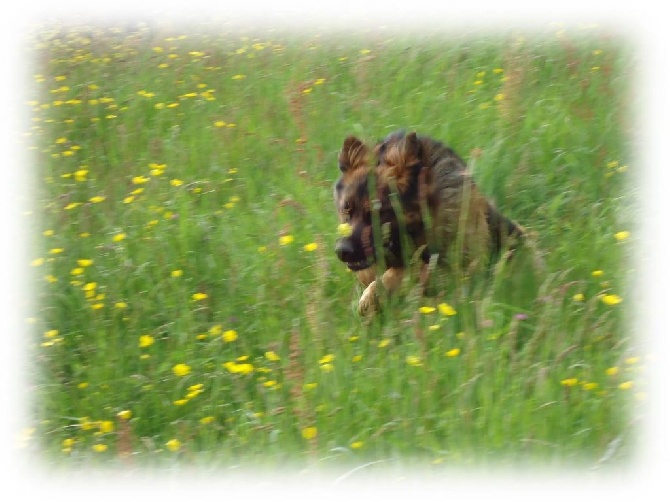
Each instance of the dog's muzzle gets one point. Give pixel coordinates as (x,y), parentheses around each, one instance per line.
(345,252)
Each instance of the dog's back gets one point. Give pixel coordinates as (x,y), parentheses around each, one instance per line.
(456,204)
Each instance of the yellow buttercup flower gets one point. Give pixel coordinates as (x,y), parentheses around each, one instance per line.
(106,426)
(285,240)
(569,382)
(124,414)
(173,445)
(344,230)
(414,361)
(328,358)
(309,432)
(446,309)
(146,341)
(181,369)
(611,299)
(229,335)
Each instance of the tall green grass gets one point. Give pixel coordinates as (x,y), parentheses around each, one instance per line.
(192,172)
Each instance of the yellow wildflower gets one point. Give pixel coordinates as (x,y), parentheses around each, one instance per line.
(124,414)
(569,382)
(328,358)
(146,341)
(229,335)
(446,309)
(285,240)
(611,299)
(612,371)
(181,369)
(344,230)
(106,426)
(414,361)
(137,180)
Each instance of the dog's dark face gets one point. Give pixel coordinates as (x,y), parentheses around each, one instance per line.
(360,186)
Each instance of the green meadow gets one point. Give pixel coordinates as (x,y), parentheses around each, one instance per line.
(189,307)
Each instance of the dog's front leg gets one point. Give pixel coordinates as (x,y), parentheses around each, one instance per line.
(369,302)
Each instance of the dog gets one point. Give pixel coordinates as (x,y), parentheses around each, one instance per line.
(417,202)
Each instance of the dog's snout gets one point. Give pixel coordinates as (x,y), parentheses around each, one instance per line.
(344,250)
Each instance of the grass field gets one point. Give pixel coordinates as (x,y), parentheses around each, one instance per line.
(188,303)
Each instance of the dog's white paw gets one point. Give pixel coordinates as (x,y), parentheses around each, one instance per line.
(368,304)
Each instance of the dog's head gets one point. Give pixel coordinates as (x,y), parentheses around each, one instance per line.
(361,185)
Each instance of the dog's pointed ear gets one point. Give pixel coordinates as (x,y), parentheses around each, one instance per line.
(352,155)
(401,152)
(399,157)
(411,151)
